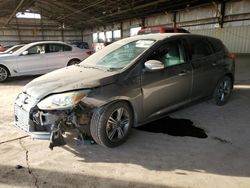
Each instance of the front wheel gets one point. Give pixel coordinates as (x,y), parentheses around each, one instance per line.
(3,74)
(110,125)
(74,62)
(222,91)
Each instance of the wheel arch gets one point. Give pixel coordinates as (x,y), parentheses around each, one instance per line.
(1,65)
(231,76)
(127,102)
(73,60)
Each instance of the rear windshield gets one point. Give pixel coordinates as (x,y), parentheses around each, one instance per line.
(148,31)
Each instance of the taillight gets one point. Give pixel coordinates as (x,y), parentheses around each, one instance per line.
(88,52)
(231,55)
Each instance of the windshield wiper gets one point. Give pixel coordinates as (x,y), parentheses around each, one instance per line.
(113,69)
(89,67)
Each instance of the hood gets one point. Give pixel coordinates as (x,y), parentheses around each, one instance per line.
(68,78)
(4,55)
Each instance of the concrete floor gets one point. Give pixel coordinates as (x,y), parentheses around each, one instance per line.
(146,159)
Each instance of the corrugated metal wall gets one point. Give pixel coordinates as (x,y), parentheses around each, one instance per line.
(30,30)
(237,39)
(203,20)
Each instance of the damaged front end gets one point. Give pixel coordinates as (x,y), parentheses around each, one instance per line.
(49,121)
(56,122)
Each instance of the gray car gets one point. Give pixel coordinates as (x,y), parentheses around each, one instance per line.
(128,83)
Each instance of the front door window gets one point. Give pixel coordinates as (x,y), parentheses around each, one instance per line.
(37,49)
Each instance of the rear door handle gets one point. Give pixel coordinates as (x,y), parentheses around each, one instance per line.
(215,64)
(183,73)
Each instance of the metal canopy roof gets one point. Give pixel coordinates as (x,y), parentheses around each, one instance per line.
(88,13)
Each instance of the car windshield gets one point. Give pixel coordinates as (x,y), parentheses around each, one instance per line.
(13,49)
(117,55)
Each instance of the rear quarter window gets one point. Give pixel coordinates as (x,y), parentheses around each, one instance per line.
(217,45)
(199,48)
(67,48)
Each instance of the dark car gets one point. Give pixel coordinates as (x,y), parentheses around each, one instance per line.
(82,45)
(126,84)
(150,30)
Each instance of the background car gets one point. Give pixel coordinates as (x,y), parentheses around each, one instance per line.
(2,49)
(128,83)
(83,45)
(149,30)
(39,58)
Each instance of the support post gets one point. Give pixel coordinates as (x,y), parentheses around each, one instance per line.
(42,29)
(222,14)
(62,31)
(143,22)
(174,22)
(18,31)
(121,28)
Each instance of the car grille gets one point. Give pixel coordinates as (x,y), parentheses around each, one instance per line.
(23,105)
(22,118)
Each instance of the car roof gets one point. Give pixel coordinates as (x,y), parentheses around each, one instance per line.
(155,36)
(46,42)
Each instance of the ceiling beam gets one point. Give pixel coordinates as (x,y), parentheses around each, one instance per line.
(72,10)
(124,11)
(13,13)
(80,10)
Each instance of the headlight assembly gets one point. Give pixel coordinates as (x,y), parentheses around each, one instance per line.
(62,101)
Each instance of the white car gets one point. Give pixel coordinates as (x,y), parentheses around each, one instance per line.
(39,58)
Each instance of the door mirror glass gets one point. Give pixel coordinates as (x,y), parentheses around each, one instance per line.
(153,65)
(25,52)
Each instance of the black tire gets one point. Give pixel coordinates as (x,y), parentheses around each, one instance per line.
(4,73)
(108,128)
(222,91)
(74,62)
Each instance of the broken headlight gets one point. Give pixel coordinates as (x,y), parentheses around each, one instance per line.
(62,101)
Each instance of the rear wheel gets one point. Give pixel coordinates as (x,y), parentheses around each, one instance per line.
(4,74)
(222,91)
(110,125)
(74,62)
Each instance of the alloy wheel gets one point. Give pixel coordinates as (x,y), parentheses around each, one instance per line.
(3,74)
(224,90)
(117,124)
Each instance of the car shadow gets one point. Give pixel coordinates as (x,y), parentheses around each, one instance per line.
(24,177)
(163,152)
(18,81)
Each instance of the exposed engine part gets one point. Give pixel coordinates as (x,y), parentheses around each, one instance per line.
(84,139)
(57,122)
(56,137)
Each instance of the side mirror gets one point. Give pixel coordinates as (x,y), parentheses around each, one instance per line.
(153,65)
(25,52)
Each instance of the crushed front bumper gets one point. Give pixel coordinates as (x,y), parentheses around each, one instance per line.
(50,125)
(22,108)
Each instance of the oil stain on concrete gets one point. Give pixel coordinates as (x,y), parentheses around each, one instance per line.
(174,127)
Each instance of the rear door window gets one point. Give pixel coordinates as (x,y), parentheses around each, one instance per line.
(51,48)
(55,48)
